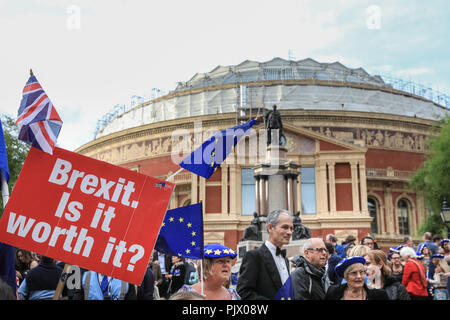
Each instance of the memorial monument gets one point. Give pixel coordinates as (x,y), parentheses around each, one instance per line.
(276,185)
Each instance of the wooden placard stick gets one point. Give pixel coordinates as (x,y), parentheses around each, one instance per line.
(62,281)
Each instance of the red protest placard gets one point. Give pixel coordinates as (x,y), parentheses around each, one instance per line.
(86,212)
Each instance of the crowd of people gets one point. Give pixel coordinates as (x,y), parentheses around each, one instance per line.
(324,270)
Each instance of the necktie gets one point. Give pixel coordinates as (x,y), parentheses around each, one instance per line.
(104,285)
(282,252)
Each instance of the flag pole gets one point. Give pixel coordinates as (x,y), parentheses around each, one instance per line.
(173,175)
(61,282)
(201,277)
(5,189)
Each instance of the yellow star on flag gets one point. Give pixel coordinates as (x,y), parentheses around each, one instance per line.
(189,225)
(193,233)
(209,251)
(193,243)
(188,251)
(181,219)
(171,219)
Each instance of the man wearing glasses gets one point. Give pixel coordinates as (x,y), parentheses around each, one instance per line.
(310,280)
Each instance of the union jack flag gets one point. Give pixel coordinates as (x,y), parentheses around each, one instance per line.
(39,123)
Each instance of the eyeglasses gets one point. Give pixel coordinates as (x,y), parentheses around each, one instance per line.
(321,250)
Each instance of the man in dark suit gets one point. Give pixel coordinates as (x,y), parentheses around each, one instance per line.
(165,264)
(264,270)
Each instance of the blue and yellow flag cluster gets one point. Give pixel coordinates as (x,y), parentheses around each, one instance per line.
(286,292)
(205,160)
(181,232)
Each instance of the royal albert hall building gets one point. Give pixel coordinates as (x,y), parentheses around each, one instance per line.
(356,138)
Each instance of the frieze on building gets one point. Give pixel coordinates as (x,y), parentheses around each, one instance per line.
(377,138)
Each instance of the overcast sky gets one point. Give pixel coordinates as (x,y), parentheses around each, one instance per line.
(91,55)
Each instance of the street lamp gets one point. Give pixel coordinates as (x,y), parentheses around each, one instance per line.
(445,216)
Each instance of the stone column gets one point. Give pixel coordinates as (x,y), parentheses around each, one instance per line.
(266,193)
(202,192)
(389,209)
(355,189)
(262,196)
(290,193)
(233,186)
(332,186)
(277,194)
(258,198)
(194,188)
(299,193)
(224,188)
(321,188)
(363,186)
(294,194)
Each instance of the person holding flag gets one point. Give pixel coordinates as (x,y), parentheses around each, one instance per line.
(215,271)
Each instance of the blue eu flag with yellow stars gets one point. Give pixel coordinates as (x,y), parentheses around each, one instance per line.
(286,292)
(205,160)
(181,232)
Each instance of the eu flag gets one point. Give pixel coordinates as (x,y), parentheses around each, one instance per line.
(181,232)
(8,266)
(3,156)
(286,292)
(205,160)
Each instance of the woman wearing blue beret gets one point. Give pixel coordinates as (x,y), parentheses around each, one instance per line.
(439,280)
(216,267)
(353,270)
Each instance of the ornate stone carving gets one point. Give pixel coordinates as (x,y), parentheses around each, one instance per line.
(377,138)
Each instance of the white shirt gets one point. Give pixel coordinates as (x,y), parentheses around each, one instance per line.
(162,263)
(279,261)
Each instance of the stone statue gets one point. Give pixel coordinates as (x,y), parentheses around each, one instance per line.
(300,231)
(253,232)
(273,121)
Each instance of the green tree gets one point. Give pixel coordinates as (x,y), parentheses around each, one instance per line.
(17,150)
(433,178)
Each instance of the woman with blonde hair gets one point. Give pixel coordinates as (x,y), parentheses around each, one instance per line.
(379,276)
(214,274)
(439,280)
(359,250)
(353,270)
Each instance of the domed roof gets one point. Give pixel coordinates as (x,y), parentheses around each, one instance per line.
(280,69)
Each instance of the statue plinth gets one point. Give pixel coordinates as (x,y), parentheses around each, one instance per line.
(276,182)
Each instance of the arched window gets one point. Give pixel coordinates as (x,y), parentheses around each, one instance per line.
(373,208)
(403,216)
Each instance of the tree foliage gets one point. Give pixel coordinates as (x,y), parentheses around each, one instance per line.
(16,150)
(433,179)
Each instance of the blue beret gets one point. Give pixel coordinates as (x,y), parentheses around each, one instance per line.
(438,255)
(419,255)
(216,250)
(394,249)
(347,262)
(444,241)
